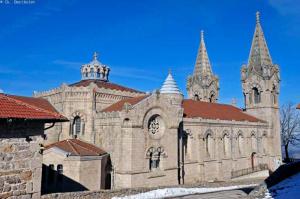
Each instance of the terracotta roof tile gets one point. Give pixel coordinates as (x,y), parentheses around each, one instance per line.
(206,110)
(298,107)
(103,84)
(118,106)
(77,147)
(19,107)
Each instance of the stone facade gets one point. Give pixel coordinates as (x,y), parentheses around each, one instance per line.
(261,86)
(83,102)
(152,139)
(21,160)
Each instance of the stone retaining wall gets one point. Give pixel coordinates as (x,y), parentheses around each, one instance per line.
(20,160)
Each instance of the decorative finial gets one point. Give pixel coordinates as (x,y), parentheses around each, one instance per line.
(170,71)
(95,55)
(257,17)
(202,35)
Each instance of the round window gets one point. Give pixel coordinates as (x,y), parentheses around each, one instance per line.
(156,125)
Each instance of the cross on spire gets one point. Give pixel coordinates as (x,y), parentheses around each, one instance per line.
(95,56)
(257,17)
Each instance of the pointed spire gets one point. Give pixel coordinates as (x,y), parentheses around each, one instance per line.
(95,56)
(259,53)
(257,17)
(169,86)
(202,66)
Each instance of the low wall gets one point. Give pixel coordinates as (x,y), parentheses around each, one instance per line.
(258,174)
(20,160)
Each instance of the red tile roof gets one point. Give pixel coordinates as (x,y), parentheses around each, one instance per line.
(118,106)
(19,107)
(77,147)
(298,107)
(206,110)
(103,84)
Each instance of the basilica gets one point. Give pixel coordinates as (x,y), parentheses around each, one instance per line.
(162,138)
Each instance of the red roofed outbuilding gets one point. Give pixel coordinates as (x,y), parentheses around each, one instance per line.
(74,165)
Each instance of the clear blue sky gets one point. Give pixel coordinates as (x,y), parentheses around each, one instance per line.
(44,44)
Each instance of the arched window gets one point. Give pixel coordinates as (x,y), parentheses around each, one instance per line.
(77,125)
(274,95)
(86,73)
(212,98)
(150,161)
(253,143)
(196,97)
(92,72)
(240,144)
(256,95)
(98,73)
(154,156)
(209,145)
(226,145)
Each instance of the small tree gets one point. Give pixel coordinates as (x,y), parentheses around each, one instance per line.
(290,126)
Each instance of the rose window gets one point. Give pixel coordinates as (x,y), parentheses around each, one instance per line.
(154,126)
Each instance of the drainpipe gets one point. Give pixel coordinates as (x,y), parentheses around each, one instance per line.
(49,127)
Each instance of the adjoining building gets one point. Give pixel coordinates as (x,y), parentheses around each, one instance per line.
(163,139)
(74,165)
(22,125)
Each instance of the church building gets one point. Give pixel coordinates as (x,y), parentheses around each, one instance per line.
(162,138)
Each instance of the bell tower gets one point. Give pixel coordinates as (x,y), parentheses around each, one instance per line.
(95,70)
(260,82)
(203,85)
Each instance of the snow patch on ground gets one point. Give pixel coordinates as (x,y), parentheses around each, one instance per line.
(173,192)
(286,189)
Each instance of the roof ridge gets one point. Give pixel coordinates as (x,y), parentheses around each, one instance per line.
(221,104)
(30,105)
(85,147)
(70,143)
(96,81)
(142,97)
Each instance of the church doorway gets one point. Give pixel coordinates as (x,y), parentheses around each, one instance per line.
(253,160)
(108,172)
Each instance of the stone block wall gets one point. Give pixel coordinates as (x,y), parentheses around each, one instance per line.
(20,160)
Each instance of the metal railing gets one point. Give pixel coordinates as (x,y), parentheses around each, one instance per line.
(247,171)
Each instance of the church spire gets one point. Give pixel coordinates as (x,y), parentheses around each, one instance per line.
(203,85)
(202,65)
(259,54)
